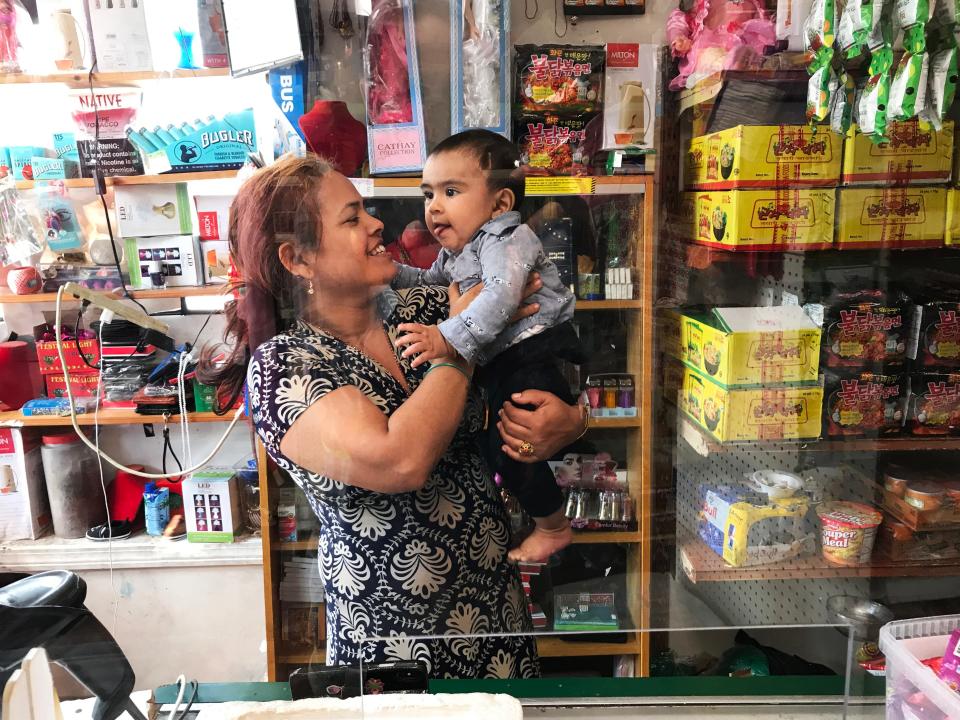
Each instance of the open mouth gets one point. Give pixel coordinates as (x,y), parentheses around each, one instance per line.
(438,230)
(378,250)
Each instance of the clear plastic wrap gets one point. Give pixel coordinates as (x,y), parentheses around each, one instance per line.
(479,63)
(20,234)
(388,73)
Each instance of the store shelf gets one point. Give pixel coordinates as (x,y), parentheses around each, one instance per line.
(581,537)
(139,179)
(139,551)
(310,544)
(540,186)
(614,423)
(558,647)
(109,78)
(609,304)
(705,445)
(782,67)
(303,656)
(105,417)
(701,564)
(7,297)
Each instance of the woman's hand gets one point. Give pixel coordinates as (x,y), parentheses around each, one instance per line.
(459,302)
(548,427)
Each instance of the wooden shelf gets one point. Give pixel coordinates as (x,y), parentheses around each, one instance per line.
(782,67)
(558,647)
(302,656)
(139,179)
(701,564)
(614,423)
(591,537)
(704,445)
(7,297)
(609,304)
(109,78)
(111,416)
(310,544)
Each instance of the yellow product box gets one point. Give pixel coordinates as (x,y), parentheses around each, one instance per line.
(952,235)
(736,415)
(751,346)
(891,217)
(761,156)
(771,219)
(916,153)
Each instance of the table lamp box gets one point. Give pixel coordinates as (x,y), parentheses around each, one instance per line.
(630,86)
(24,508)
(211,504)
(178,255)
(147,210)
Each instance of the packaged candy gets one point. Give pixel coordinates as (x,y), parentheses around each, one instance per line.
(560,78)
(949,670)
(551,145)
(841,116)
(908,90)
(941,86)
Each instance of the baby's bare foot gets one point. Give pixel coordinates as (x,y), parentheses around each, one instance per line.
(541,544)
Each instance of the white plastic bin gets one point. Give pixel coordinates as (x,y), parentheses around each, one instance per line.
(906,643)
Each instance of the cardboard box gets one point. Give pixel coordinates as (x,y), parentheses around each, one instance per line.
(21,160)
(916,153)
(905,217)
(630,92)
(734,415)
(751,346)
(213,216)
(217,261)
(179,256)
(24,508)
(144,210)
(952,235)
(765,219)
(83,384)
(49,359)
(220,144)
(764,156)
(211,505)
(119,34)
(4,162)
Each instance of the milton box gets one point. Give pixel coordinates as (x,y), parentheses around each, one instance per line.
(764,156)
(630,91)
(770,219)
(901,217)
(751,346)
(178,255)
(735,415)
(24,509)
(211,505)
(915,153)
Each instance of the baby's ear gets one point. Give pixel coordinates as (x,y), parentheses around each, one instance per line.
(503,201)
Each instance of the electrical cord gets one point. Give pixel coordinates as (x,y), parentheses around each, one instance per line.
(76,426)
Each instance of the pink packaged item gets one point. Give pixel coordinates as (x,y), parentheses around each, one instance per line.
(950,666)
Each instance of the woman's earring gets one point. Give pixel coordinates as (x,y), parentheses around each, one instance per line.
(309,287)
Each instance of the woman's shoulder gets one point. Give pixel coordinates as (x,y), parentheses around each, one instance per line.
(425,304)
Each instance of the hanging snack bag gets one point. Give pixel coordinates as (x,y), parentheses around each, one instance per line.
(841,116)
(941,86)
(913,14)
(908,90)
(551,145)
(872,106)
(946,12)
(855,26)
(819,35)
(562,79)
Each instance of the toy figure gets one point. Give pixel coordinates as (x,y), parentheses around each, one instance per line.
(717,35)
(8,37)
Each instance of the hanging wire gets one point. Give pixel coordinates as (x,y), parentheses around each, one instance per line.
(526,10)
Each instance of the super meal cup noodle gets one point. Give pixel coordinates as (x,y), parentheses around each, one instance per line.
(848,532)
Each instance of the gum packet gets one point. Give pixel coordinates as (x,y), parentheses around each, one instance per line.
(908,90)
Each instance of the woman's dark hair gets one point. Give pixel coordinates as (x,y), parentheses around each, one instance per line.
(498,157)
(280,203)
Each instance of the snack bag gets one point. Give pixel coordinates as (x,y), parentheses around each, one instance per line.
(821,89)
(819,35)
(552,145)
(560,78)
(855,26)
(913,16)
(946,12)
(872,107)
(844,101)
(908,90)
(941,86)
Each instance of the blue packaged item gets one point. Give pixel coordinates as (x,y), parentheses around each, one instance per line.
(61,230)
(156,508)
(4,162)
(56,406)
(214,144)
(21,159)
(65,147)
(45,168)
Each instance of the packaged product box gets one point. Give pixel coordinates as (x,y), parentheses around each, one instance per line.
(751,346)
(44,168)
(219,144)
(213,216)
(144,210)
(770,219)
(561,79)
(119,34)
(630,88)
(4,162)
(211,505)
(178,255)
(213,38)
(937,338)
(739,414)
(764,156)
(553,145)
(21,160)
(864,404)
(903,217)
(24,508)
(217,261)
(915,153)
(899,542)
(952,235)
(47,351)
(585,612)
(480,68)
(82,384)
(867,329)
(746,528)
(934,405)
(941,512)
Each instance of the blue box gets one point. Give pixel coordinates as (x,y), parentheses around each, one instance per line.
(65,147)
(45,168)
(215,145)
(4,162)
(21,157)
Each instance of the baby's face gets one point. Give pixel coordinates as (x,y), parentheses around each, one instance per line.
(457,198)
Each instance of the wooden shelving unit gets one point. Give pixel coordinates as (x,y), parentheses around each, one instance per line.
(701,564)
(9,298)
(591,305)
(139,179)
(109,78)
(110,416)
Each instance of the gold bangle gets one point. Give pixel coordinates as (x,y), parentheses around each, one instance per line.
(585,412)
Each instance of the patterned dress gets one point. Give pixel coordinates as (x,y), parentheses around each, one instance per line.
(400,567)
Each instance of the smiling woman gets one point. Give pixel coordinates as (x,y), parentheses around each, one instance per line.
(413,534)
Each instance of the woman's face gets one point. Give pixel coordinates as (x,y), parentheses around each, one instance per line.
(350,256)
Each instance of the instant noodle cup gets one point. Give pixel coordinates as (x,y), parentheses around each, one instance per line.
(848,532)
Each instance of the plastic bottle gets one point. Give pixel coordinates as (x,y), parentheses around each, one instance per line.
(156,508)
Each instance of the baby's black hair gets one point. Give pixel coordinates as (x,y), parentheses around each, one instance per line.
(498,157)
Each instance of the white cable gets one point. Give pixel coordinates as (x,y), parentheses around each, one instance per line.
(186,447)
(182,682)
(73,416)
(103,483)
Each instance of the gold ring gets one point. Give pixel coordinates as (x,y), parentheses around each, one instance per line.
(526,448)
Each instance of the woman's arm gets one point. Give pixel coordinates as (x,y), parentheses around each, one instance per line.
(548,427)
(345,436)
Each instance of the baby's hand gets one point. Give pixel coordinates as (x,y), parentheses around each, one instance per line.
(424,341)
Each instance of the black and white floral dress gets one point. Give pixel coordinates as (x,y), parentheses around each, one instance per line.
(400,567)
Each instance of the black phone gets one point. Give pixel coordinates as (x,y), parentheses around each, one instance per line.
(345,681)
